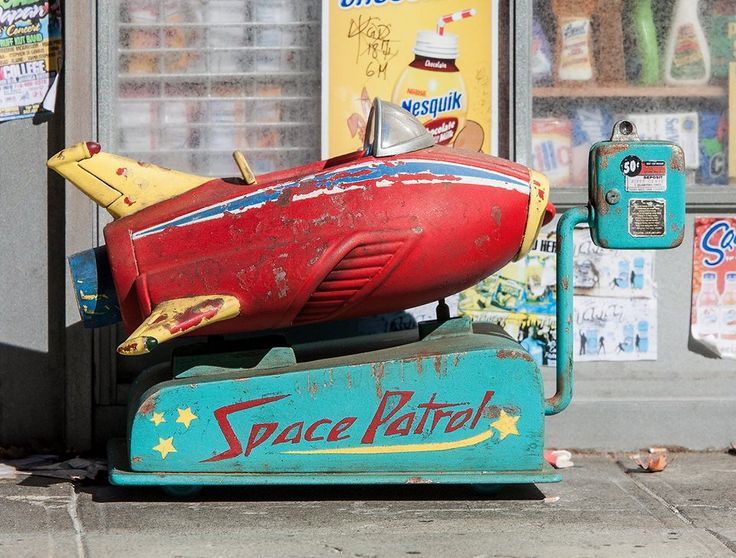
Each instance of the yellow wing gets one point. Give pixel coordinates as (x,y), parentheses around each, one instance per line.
(173,318)
(120,185)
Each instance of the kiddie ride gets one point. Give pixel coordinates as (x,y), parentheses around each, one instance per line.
(401,222)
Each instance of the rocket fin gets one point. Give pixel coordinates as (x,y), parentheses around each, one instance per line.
(122,186)
(172,318)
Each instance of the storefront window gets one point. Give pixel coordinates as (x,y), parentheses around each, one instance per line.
(661,64)
(191,81)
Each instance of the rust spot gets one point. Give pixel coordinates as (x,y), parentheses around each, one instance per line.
(148,405)
(128,201)
(565,283)
(496,214)
(611,149)
(678,239)
(350,380)
(618,211)
(419,480)
(603,242)
(137,459)
(419,366)
(127,348)
(456,360)
(122,171)
(312,388)
(677,162)
(507,353)
(378,370)
(438,365)
(492,412)
(601,204)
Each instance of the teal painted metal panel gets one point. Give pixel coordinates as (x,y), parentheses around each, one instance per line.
(453,402)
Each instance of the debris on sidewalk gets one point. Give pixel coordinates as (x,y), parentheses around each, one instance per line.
(7,472)
(652,462)
(47,465)
(732,448)
(559,459)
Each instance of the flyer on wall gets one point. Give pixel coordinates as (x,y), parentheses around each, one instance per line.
(435,58)
(30,57)
(713,315)
(521,298)
(614,308)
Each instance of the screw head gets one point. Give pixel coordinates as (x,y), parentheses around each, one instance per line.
(613,196)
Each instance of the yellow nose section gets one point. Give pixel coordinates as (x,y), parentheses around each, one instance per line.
(538,203)
(122,186)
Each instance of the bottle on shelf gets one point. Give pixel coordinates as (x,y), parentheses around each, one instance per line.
(646,42)
(687,58)
(574,61)
(609,43)
(721,28)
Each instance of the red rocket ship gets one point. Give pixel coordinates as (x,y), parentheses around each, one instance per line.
(399,223)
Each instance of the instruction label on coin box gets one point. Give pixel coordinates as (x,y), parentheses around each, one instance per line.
(644,176)
(647,217)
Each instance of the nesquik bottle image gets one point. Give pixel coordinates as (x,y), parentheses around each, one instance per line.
(432,87)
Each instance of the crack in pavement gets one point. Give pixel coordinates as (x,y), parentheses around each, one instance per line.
(722,542)
(72,510)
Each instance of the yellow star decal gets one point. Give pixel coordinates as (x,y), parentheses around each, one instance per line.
(158,418)
(506,424)
(186,416)
(165,447)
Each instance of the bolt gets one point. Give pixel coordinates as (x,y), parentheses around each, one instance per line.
(613,197)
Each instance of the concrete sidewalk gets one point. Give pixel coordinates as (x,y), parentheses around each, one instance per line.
(600,509)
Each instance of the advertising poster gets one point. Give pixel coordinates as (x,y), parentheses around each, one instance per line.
(30,57)
(435,58)
(713,316)
(614,307)
(611,273)
(521,298)
(608,328)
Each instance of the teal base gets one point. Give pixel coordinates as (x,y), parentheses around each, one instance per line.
(121,475)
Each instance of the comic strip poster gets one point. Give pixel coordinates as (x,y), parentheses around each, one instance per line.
(611,273)
(614,307)
(435,58)
(521,298)
(608,328)
(30,57)
(713,315)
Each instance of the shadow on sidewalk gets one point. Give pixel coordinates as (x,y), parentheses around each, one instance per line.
(105,493)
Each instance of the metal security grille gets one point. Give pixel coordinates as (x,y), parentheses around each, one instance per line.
(184,83)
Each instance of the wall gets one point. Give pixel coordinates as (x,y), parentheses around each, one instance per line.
(31,284)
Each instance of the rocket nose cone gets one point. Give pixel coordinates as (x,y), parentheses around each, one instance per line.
(549,213)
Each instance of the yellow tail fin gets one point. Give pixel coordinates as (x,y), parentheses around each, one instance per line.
(120,185)
(173,318)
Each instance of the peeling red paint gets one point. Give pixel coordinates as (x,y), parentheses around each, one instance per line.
(128,201)
(419,480)
(192,317)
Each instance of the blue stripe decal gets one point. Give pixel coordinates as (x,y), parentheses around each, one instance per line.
(336,179)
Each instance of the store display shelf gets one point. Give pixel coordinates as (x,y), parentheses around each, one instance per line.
(630,91)
(218,24)
(127,124)
(200,50)
(213,98)
(218,76)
